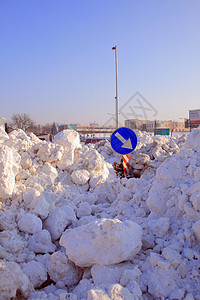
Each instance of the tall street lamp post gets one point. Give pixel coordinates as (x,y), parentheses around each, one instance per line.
(116,97)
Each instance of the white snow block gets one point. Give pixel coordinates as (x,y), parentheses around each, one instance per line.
(172,256)
(192,141)
(70,140)
(30,223)
(67,160)
(161,283)
(13,280)
(84,209)
(102,242)
(35,272)
(171,170)
(50,152)
(96,166)
(40,242)
(19,141)
(7,220)
(58,220)
(49,173)
(11,241)
(109,274)
(61,269)
(9,167)
(26,161)
(38,204)
(66,138)
(159,227)
(80,177)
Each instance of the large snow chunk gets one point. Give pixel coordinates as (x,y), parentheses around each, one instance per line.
(161,283)
(30,223)
(13,280)
(158,197)
(11,241)
(49,173)
(40,242)
(83,210)
(70,140)
(38,202)
(192,141)
(26,161)
(61,269)
(58,220)
(93,161)
(80,177)
(102,242)
(7,220)
(19,141)
(159,227)
(9,167)
(110,274)
(35,272)
(50,152)
(171,169)
(96,166)
(67,138)
(173,256)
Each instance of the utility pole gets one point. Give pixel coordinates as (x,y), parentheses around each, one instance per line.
(116,97)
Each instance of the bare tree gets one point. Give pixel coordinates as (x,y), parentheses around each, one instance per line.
(23,121)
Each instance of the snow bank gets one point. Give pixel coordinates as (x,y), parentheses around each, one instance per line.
(70,228)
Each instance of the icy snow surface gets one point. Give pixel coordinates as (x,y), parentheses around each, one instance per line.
(70,228)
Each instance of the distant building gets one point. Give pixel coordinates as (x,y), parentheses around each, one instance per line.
(136,124)
(149,126)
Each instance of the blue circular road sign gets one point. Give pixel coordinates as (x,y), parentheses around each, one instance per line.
(123,140)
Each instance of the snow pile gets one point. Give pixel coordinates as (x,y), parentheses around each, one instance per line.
(71,229)
(151,151)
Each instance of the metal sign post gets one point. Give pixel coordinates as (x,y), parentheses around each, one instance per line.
(125,159)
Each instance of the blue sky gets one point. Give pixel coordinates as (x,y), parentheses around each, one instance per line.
(57,63)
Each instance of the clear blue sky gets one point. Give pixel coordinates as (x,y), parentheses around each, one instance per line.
(57,63)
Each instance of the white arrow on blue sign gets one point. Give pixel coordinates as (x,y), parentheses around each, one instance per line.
(123,140)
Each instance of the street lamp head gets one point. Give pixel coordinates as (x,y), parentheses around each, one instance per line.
(114,48)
